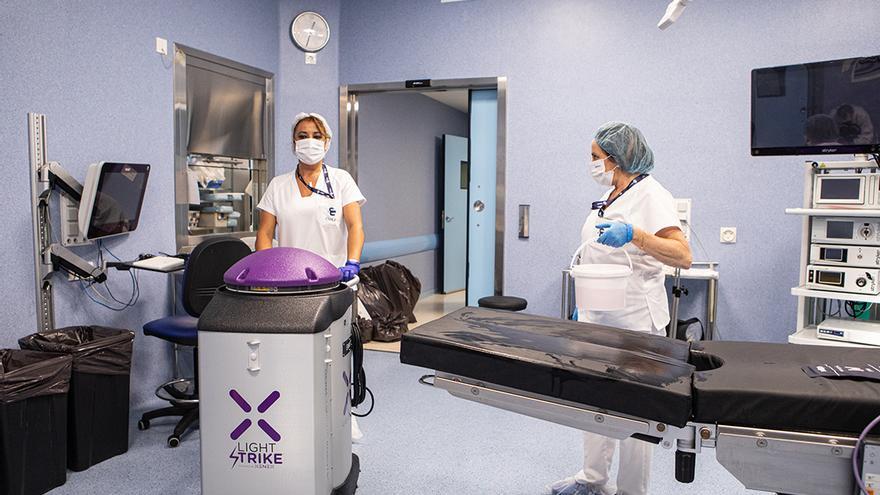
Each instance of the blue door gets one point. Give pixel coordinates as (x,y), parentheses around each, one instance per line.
(481,195)
(455,209)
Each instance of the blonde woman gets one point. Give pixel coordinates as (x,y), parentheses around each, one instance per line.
(315,207)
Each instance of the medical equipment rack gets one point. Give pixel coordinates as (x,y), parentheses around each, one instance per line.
(811,301)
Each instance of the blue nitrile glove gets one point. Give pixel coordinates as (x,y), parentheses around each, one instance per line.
(574,314)
(615,234)
(350,269)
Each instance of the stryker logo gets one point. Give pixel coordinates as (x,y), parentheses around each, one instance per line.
(255,454)
(829,150)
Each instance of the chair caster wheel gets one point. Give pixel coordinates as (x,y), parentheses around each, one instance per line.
(173,441)
(143,424)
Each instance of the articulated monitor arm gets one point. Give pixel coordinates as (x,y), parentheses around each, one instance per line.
(62,258)
(58,177)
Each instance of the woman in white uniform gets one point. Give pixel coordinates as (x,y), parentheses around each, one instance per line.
(315,207)
(636,215)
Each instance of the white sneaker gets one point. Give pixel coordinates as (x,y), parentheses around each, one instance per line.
(356,433)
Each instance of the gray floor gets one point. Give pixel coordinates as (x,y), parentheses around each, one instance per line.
(418,441)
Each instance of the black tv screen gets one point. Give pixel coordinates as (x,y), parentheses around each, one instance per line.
(817,108)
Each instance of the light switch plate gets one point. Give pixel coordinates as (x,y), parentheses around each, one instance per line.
(161,46)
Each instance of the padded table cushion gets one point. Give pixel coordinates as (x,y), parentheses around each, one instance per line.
(629,372)
(762,385)
(508,303)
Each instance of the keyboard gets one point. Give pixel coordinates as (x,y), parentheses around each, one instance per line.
(159,264)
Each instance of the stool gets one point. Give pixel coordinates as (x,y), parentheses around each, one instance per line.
(507,303)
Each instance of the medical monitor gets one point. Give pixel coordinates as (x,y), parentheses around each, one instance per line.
(817,108)
(112,197)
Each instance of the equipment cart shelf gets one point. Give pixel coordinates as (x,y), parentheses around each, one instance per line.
(807,336)
(827,294)
(812,301)
(832,212)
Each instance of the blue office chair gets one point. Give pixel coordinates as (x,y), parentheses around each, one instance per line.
(202,276)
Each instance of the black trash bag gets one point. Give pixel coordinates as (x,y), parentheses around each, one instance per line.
(400,286)
(98,401)
(365,326)
(33,420)
(387,323)
(96,350)
(26,374)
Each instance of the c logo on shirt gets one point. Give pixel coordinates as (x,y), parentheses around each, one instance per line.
(332,211)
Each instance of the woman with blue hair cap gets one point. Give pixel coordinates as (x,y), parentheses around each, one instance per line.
(637,215)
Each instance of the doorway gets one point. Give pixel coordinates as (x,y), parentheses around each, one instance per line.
(466,232)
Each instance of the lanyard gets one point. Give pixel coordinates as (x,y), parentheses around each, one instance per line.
(328,194)
(604,204)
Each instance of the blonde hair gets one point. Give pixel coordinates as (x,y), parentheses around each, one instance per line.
(320,125)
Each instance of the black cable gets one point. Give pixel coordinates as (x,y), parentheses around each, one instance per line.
(856,309)
(372,403)
(359,385)
(135,285)
(357,358)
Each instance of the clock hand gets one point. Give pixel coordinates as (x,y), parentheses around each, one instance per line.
(311,30)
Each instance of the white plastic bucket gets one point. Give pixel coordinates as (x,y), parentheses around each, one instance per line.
(600,286)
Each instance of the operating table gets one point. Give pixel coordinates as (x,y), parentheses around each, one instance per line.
(771,425)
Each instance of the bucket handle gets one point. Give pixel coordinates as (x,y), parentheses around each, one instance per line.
(582,246)
(353,282)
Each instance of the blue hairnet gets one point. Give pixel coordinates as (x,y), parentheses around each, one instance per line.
(627,146)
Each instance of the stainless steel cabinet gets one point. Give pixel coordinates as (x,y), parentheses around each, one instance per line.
(223,141)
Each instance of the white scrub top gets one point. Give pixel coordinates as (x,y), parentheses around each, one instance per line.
(650,207)
(314,222)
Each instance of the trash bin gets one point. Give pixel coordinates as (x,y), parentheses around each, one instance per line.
(97,415)
(33,421)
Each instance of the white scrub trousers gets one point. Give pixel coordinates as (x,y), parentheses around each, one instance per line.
(634,468)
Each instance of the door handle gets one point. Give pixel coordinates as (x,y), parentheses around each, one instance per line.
(449,219)
(479,206)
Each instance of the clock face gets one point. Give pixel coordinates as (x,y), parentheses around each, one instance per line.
(310,31)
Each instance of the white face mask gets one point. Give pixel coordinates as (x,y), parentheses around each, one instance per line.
(310,151)
(597,170)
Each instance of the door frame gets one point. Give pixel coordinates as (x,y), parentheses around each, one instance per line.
(348,137)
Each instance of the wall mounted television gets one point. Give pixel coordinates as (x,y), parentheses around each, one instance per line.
(817,108)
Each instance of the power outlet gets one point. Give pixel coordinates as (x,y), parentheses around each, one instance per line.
(728,235)
(311,58)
